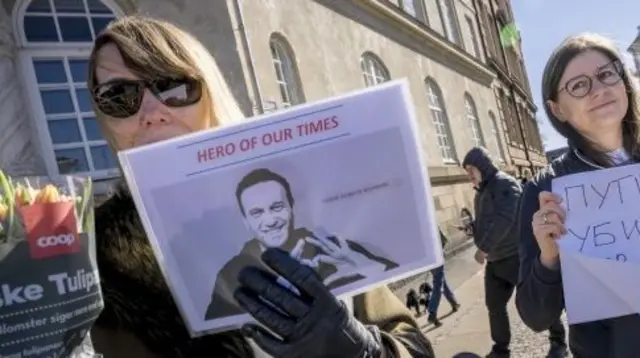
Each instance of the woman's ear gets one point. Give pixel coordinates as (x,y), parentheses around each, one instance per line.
(556,110)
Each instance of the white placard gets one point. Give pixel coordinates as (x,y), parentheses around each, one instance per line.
(346,170)
(600,254)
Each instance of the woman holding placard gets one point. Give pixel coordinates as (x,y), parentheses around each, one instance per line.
(590,100)
(152,81)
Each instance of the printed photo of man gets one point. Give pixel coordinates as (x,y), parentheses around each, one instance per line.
(267,205)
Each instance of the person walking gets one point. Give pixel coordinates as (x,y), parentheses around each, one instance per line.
(497,241)
(440,286)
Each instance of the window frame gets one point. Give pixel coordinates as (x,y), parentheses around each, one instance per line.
(474,120)
(497,136)
(20,37)
(419,7)
(364,68)
(451,28)
(432,86)
(26,53)
(288,66)
(473,34)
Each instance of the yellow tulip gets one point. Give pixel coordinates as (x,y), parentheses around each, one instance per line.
(4,210)
(22,196)
(48,195)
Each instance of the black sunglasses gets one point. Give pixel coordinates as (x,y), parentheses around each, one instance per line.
(122,98)
(581,85)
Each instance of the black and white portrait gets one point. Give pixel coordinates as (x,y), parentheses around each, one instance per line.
(356,225)
(267,205)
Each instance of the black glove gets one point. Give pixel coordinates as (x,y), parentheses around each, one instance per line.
(313,324)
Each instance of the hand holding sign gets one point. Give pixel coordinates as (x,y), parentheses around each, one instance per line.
(548,226)
(312,324)
(600,251)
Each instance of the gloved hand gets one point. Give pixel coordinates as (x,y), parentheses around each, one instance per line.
(312,324)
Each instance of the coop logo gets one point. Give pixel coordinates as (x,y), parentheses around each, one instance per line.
(59,240)
(51,229)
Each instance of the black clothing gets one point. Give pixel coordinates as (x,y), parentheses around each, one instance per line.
(540,296)
(500,280)
(223,304)
(496,208)
(136,296)
(413,301)
(313,324)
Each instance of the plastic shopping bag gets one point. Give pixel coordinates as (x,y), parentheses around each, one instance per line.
(49,284)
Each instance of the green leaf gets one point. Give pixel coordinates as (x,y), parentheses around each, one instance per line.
(9,197)
(87,197)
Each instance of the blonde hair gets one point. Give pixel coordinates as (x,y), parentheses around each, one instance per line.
(150,47)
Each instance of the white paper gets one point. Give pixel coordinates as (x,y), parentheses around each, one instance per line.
(600,255)
(356,174)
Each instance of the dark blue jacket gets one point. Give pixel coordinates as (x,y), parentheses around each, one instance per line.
(540,297)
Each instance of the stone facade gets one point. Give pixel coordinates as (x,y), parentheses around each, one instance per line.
(321,48)
(512,89)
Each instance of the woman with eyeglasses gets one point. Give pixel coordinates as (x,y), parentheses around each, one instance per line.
(152,81)
(590,100)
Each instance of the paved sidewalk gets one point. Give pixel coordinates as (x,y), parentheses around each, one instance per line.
(468,329)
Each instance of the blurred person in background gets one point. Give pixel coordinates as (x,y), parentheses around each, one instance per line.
(440,286)
(497,240)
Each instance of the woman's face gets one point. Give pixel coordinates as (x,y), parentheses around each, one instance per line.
(592,97)
(154,121)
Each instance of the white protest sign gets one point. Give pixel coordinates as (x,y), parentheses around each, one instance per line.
(600,254)
(340,183)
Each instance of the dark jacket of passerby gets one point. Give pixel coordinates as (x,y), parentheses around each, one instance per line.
(496,208)
(540,296)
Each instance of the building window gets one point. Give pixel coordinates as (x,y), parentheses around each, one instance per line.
(499,151)
(474,122)
(527,123)
(415,8)
(373,70)
(286,72)
(441,122)
(474,37)
(56,37)
(449,21)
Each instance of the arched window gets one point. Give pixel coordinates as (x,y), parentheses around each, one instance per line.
(373,69)
(286,71)
(55,38)
(474,122)
(496,135)
(441,122)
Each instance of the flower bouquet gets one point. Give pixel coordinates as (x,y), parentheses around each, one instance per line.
(49,285)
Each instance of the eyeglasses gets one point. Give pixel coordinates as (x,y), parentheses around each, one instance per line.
(122,98)
(608,75)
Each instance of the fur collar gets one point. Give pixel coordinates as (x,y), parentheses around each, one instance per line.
(137,299)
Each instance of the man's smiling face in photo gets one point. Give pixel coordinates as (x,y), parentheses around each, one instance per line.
(268,213)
